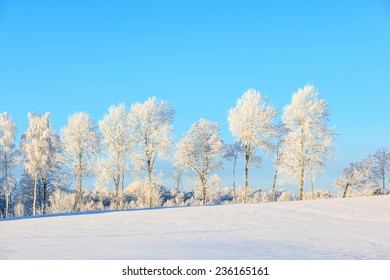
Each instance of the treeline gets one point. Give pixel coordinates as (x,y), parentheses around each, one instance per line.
(128,142)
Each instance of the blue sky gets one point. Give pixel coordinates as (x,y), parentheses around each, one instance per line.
(68,56)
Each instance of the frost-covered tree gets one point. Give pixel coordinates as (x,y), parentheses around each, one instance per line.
(40,146)
(117,145)
(199,150)
(381,168)
(8,156)
(309,140)
(232,152)
(356,175)
(151,128)
(80,143)
(252,123)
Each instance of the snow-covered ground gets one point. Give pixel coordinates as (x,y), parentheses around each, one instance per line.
(353,228)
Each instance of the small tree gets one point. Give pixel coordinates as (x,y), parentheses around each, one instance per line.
(151,128)
(252,123)
(199,150)
(80,142)
(232,152)
(308,142)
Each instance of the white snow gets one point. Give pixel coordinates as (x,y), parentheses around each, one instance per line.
(352,228)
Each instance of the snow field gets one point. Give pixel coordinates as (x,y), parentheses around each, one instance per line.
(352,228)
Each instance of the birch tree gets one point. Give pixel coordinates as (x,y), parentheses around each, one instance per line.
(151,128)
(309,140)
(199,150)
(117,144)
(80,142)
(232,152)
(8,156)
(40,146)
(252,123)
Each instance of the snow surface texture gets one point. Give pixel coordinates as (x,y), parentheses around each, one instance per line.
(352,228)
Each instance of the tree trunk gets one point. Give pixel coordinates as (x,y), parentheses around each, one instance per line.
(302,173)
(274,185)
(312,187)
(276,173)
(150,173)
(44,180)
(345,191)
(301,181)
(234,180)
(79,182)
(75,201)
(204,191)
(81,192)
(384,181)
(77,194)
(123,187)
(35,195)
(116,182)
(246,176)
(6,204)
(117,193)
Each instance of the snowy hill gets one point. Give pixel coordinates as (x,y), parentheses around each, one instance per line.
(354,228)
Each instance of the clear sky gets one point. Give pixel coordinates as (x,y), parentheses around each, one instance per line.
(68,56)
